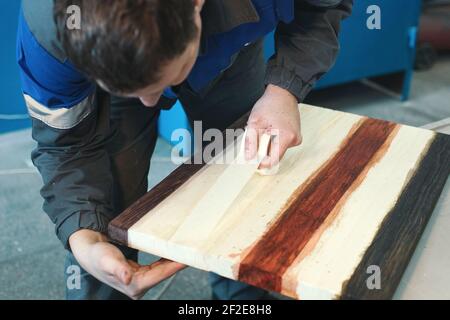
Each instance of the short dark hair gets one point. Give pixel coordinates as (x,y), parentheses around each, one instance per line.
(124,43)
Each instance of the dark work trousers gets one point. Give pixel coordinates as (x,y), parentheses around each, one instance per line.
(133,141)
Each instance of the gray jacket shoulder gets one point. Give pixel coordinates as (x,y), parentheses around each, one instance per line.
(39,17)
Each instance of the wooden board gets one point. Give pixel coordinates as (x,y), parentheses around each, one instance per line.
(426,276)
(357,193)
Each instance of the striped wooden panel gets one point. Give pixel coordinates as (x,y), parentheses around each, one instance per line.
(357,193)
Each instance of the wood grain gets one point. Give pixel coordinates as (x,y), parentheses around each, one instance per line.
(118,227)
(357,192)
(400,231)
(220,196)
(339,248)
(266,263)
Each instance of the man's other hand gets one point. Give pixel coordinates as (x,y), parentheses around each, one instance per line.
(106,262)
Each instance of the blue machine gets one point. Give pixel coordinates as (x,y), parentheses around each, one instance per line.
(367,53)
(12,106)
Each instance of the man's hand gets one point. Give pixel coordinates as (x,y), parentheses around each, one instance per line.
(277,114)
(106,262)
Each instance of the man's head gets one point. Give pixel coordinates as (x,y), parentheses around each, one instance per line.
(133,48)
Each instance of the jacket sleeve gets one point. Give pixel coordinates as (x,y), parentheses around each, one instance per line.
(70,124)
(306,48)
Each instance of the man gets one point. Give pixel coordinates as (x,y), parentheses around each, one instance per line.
(94,95)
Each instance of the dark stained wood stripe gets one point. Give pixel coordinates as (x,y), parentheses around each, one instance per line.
(395,241)
(271,256)
(118,228)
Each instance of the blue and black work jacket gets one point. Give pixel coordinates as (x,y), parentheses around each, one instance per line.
(63,102)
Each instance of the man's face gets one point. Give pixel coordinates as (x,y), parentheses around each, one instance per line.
(175,71)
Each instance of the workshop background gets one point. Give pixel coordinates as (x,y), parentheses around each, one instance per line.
(398,72)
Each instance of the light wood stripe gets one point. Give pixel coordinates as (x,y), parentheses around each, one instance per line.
(197,227)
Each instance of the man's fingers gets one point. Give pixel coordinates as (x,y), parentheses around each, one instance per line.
(157,272)
(277,148)
(251,143)
(273,154)
(113,262)
(122,271)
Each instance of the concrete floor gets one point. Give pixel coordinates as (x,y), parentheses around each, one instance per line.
(31,258)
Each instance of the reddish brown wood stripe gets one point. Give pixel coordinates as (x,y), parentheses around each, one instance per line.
(270,257)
